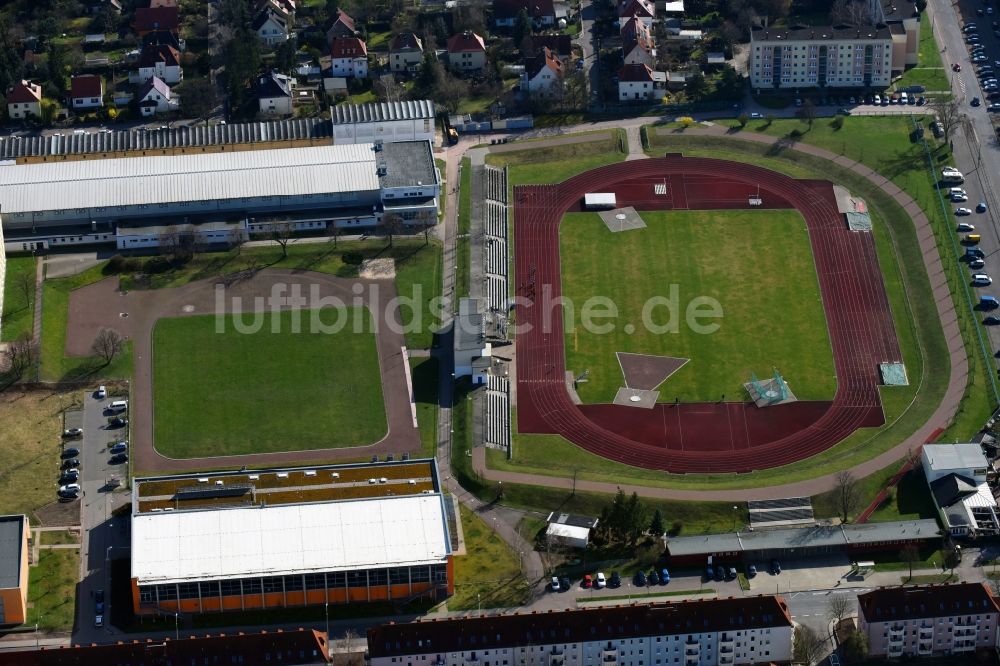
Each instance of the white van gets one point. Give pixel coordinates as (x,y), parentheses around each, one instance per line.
(118,406)
(903,98)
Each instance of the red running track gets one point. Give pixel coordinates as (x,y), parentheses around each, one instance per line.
(702,437)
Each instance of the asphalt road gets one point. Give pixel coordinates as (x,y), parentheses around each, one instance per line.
(977,153)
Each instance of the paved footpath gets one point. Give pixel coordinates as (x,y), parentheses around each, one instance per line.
(941,417)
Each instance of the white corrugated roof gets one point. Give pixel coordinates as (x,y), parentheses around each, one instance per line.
(175,178)
(955,456)
(567,531)
(177,546)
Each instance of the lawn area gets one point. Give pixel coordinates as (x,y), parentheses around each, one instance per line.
(929,558)
(30,446)
(52,537)
(906,408)
(229,393)
(418,270)
(465,197)
(929,71)
(442,167)
(489,574)
(52,589)
(554,164)
(424,372)
(54,364)
(18,298)
(703,255)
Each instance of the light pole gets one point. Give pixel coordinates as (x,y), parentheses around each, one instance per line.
(735,509)
(326,613)
(177,628)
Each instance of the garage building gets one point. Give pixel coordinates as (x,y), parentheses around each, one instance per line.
(334,534)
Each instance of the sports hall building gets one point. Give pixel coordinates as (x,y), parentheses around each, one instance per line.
(335,534)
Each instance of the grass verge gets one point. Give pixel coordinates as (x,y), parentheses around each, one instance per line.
(52,589)
(424,372)
(622,597)
(489,574)
(18,298)
(554,164)
(465,197)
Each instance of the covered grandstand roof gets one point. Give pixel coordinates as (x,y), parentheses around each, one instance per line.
(217,544)
(166,179)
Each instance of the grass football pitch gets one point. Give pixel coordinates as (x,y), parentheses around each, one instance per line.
(235,393)
(757,265)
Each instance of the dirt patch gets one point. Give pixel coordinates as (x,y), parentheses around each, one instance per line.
(378,269)
(59,513)
(644,371)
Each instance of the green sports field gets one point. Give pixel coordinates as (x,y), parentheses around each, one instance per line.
(758,265)
(233,393)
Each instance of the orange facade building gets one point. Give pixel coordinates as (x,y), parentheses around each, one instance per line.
(232,541)
(13,570)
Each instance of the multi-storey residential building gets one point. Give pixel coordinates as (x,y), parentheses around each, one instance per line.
(466,52)
(933,620)
(709,632)
(822,57)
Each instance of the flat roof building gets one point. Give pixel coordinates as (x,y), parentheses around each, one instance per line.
(956,476)
(746,630)
(13,569)
(290,537)
(801,541)
(383,121)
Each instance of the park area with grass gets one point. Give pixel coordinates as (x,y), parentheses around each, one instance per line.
(235,393)
(930,71)
(489,574)
(52,589)
(725,256)
(18,298)
(554,164)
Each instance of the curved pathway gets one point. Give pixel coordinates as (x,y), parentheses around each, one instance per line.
(941,417)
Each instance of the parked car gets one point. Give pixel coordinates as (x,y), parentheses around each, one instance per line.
(118,459)
(993,108)
(751,571)
(709,572)
(640,579)
(720,572)
(981,207)
(615,580)
(69,453)
(73,432)
(963,211)
(70,463)
(118,422)
(981,280)
(99,602)
(755,115)
(976,101)
(956,67)
(564,584)
(600,582)
(992,320)
(555,583)
(732,573)
(120,447)
(588,581)
(976,263)
(70,487)
(69,476)
(101,393)
(959,198)
(965,227)
(98,621)
(653,578)
(775,567)
(664,576)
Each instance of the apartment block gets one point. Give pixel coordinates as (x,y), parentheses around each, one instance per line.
(821,57)
(948,620)
(712,632)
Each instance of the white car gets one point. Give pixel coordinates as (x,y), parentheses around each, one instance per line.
(963,211)
(878,100)
(981,280)
(555,583)
(101,393)
(600,581)
(976,263)
(965,227)
(959,198)
(98,621)
(957,190)
(75,487)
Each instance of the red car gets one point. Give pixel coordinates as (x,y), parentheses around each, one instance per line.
(588,581)
(956,67)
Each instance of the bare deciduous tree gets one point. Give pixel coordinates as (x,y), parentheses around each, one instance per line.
(25,283)
(911,555)
(838,607)
(847,494)
(20,354)
(280,233)
(849,12)
(948,113)
(808,647)
(807,112)
(393,224)
(108,344)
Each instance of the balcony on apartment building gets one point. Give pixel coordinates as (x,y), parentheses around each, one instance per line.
(964,645)
(925,647)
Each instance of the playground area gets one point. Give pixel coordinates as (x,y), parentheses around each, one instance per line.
(729,433)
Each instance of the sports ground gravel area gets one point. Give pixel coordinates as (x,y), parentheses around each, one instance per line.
(233,393)
(714,254)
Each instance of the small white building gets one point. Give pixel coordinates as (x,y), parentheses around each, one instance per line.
(86,91)
(274,94)
(640,83)
(544,76)
(466,52)
(349,57)
(24,99)
(956,476)
(473,354)
(406,52)
(566,529)
(271,27)
(383,121)
(160,60)
(156,97)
